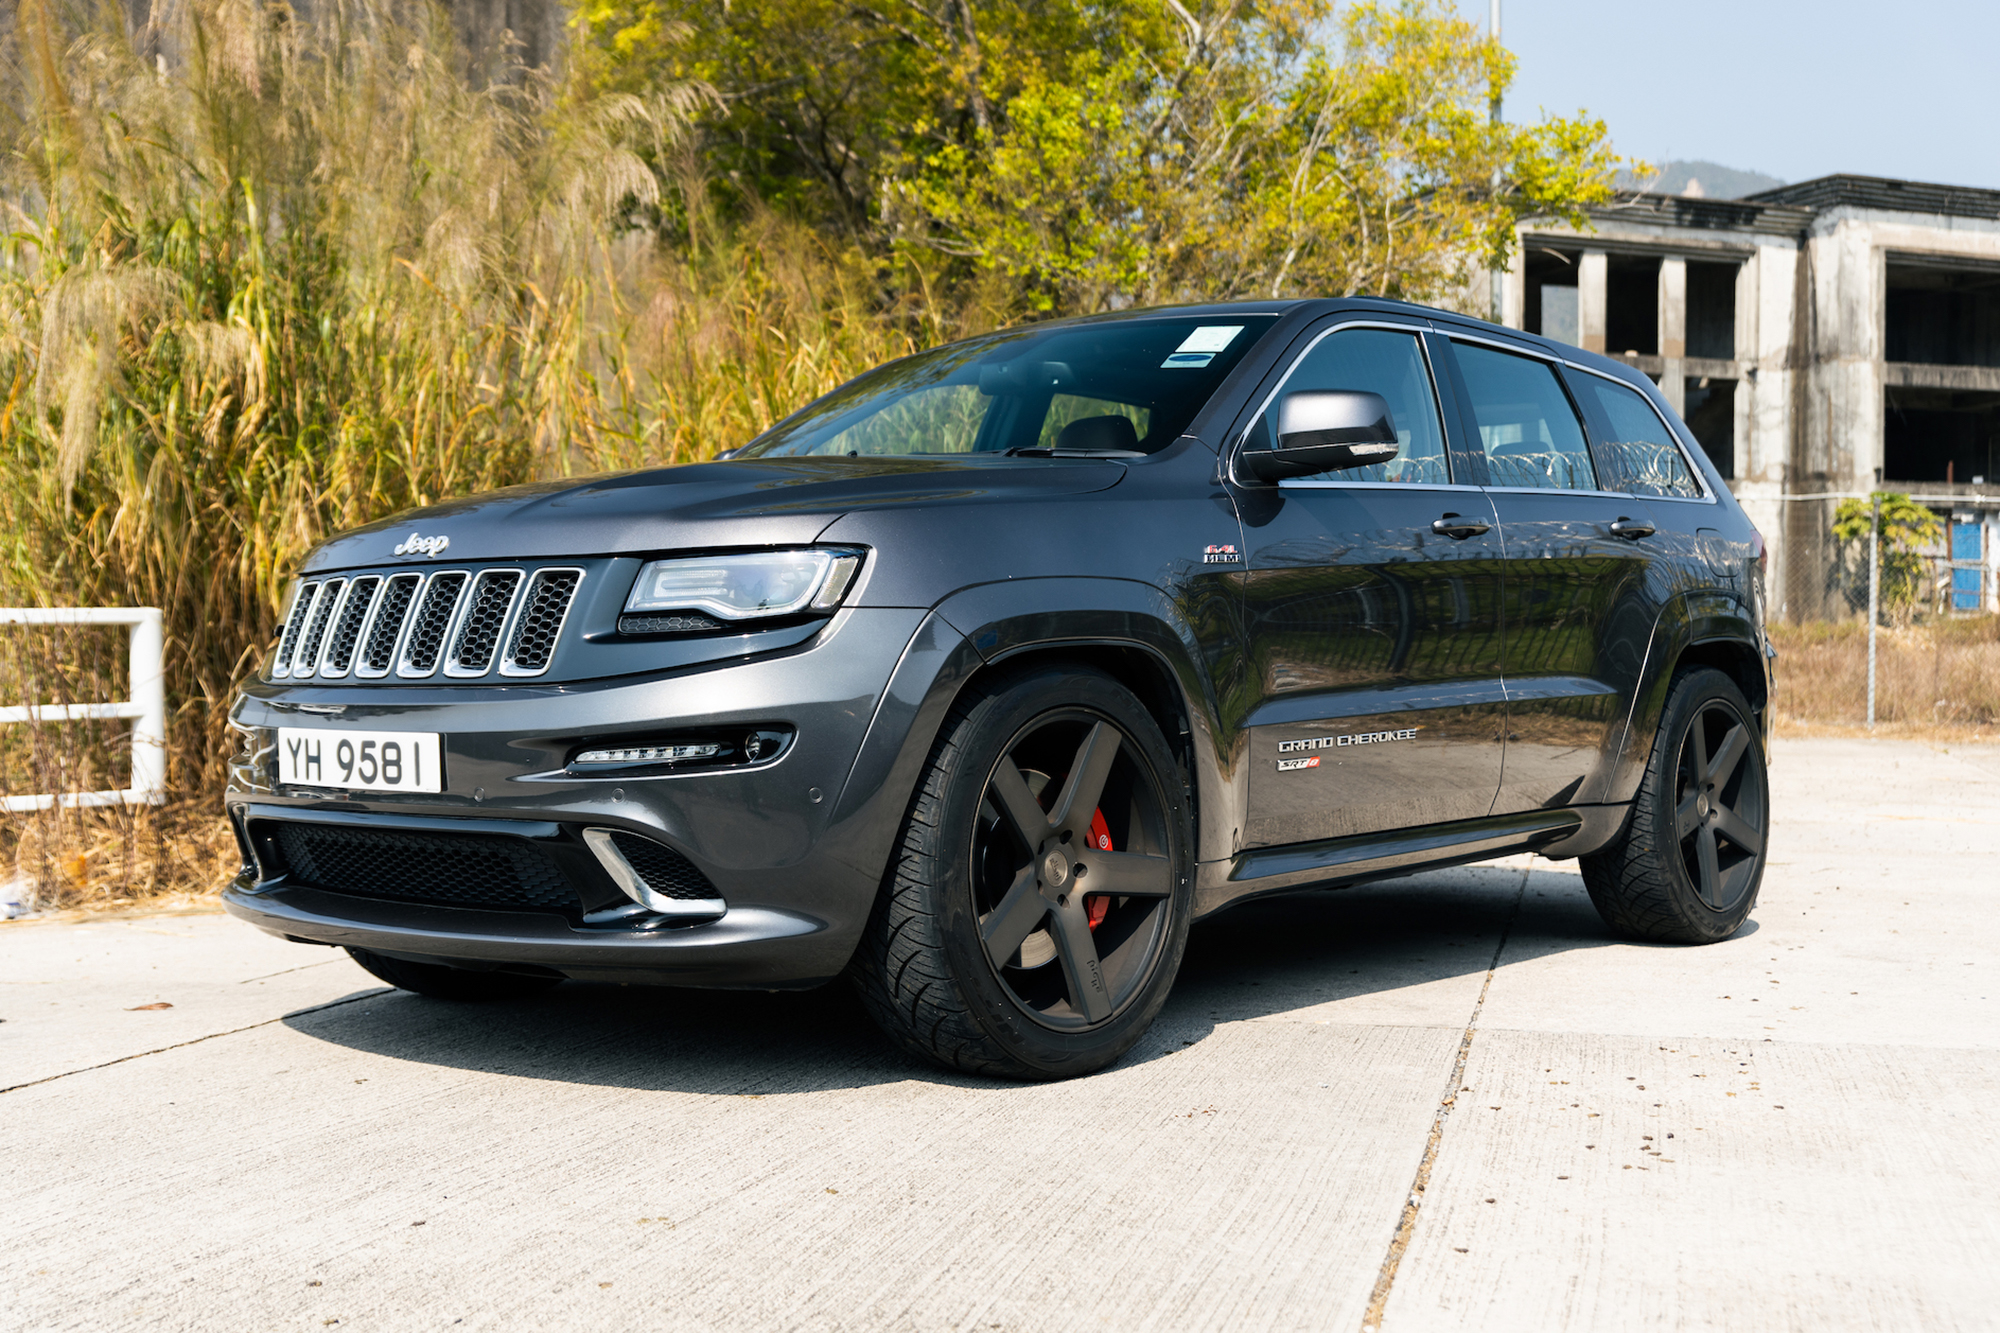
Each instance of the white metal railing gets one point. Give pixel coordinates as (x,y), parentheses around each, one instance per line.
(147,708)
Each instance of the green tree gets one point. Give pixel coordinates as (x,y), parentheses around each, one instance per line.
(1907,527)
(1096,154)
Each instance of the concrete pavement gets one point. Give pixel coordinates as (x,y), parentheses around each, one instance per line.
(1793,1129)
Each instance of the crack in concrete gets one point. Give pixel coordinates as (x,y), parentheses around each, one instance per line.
(196,1041)
(1385,1279)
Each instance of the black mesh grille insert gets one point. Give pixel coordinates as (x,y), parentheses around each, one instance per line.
(454,869)
(533,641)
(681,622)
(315,633)
(378,654)
(479,631)
(665,870)
(347,629)
(295,626)
(433,618)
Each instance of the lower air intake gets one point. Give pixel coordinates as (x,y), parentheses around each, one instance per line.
(450,869)
(665,870)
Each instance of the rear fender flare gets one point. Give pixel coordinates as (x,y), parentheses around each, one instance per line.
(1698,624)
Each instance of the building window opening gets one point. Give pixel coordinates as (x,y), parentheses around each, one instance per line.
(1549,305)
(1943,316)
(1632,305)
(1711,312)
(1940,435)
(1709,408)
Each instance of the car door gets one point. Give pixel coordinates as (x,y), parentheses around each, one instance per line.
(1579,605)
(1372,612)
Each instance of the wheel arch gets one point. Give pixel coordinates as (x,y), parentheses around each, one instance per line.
(1128,630)
(1693,629)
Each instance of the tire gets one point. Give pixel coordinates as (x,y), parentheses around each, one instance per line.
(981,955)
(441,982)
(1691,860)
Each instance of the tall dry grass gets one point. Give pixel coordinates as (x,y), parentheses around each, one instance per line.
(1941,674)
(270,277)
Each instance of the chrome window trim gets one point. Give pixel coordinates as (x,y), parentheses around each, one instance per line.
(288,646)
(403,671)
(467,597)
(368,629)
(1415,329)
(506,646)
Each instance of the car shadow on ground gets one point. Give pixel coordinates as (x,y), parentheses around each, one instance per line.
(1263,959)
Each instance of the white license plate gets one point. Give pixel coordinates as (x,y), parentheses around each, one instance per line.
(360,760)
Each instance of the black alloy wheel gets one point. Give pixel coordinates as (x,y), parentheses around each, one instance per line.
(1049,885)
(1719,815)
(1037,906)
(1688,866)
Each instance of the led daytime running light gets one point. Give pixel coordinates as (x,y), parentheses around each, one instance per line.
(650,754)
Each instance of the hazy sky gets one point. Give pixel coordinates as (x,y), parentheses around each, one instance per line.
(1793,90)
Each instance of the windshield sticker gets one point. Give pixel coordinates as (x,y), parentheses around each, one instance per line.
(1201,346)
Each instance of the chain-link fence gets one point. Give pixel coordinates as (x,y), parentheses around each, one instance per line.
(1933,658)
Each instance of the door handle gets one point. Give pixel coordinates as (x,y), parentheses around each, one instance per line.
(1631,529)
(1458,527)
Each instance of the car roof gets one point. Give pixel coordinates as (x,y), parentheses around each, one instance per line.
(1313,307)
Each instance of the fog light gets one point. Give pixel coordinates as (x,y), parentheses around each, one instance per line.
(650,754)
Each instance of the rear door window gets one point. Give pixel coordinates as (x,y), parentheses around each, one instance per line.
(1528,428)
(1638,453)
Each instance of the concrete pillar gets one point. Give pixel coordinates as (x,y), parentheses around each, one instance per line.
(1591,273)
(1673,329)
(1514,296)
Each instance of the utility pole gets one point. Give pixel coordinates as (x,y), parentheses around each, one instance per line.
(1497,276)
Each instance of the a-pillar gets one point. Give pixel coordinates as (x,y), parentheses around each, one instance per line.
(1590,300)
(1673,329)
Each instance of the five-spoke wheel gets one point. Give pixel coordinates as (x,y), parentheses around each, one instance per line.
(1689,864)
(1040,895)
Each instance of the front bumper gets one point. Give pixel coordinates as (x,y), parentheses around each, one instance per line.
(797,866)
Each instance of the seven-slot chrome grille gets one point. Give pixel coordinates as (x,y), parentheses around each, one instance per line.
(453,623)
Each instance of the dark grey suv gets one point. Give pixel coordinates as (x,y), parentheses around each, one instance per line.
(982,677)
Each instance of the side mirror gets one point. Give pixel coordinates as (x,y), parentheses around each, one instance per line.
(1324,430)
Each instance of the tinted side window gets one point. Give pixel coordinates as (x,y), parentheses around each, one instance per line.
(1527,426)
(1375,361)
(1639,455)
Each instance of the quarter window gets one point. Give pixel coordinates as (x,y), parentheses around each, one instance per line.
(1640,455)
(1379,361)
(1527,426)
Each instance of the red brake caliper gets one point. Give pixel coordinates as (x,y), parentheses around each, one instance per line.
(1097,904)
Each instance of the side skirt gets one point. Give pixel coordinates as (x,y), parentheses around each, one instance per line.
(1336,862)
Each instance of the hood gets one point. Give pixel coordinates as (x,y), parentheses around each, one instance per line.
(746,502)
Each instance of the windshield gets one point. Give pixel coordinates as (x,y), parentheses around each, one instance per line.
(1121,387)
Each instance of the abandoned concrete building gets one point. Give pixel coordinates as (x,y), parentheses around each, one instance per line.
(1820,339)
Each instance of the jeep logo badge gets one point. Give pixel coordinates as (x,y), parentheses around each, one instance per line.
(420,545)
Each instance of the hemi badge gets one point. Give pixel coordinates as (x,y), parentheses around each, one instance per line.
(1220,555)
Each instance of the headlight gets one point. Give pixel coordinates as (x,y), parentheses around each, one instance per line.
(747,587)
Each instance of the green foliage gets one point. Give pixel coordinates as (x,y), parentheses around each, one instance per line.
(295,277)
(1907,527)
(1092,155)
